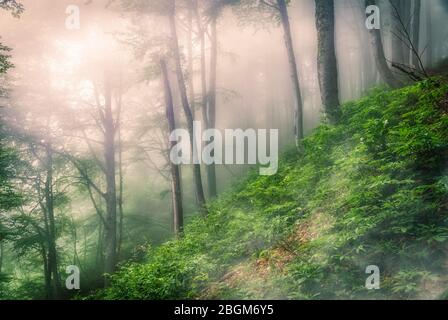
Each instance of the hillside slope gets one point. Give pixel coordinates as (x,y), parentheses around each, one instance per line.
(372,190)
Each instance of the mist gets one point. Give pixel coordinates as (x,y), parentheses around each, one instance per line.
(84,69)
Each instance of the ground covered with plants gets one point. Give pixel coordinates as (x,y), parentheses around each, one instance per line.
(372,190)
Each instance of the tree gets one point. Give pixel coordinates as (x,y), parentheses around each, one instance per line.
(213,12)
(171,10)
(14,6)
(326,58)
(403,34)
(400,11)
(284,18)
(176,189)
(103,120)
(376,42)
(416,13)
(279,10)
(9,161)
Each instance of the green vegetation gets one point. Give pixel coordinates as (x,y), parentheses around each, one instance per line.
(372,190)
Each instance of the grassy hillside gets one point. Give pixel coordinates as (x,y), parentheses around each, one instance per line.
(372,190)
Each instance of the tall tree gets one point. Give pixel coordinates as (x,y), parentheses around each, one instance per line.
(176,191)
(376,42)
(213,12)
(48,207)
(401,22)
(186,104)
(416,14)
(298,112)
(326,58)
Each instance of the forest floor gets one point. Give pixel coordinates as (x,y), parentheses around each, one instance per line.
(372,190)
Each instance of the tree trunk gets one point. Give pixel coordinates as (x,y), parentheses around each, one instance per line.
(416,32)
(400,50)
(1,256)
(407,18)
(203,66)
(191,92)
(100,244)
(188,114)
(47,273)
(49,205)
(380,59)
(211,169)
(111,192)
(176,190)
(120,193)
(298,112)
(326,59)
(430,49)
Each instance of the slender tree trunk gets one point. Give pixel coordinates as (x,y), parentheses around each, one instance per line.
(407,18)
(400,50)
(49,205)
(47,273)
(298,112)
(211,169)
(188,114)
(191,92)
(430,49)
(76,260)
(99,248)
(416,31)
(204,101)
(208,123)
(1,256)
(120,193)
(326,58)
(378,50)
(176,190)
(111,190)
(397,43)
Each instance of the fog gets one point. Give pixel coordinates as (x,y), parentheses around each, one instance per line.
(60,74)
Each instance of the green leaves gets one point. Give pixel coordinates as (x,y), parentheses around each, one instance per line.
(378,177)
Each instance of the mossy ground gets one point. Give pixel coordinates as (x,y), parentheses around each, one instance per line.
(372,190)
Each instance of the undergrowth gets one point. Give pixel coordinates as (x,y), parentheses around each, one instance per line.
(379,178)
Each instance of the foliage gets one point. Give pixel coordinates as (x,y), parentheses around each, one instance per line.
(378,178)
(15,7)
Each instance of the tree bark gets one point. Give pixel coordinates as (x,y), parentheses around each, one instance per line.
(380,58)
(326,59)
(176,189)
(400,50)
(1,256)
(187,110)
(111,190)
(416,32)
(191,91)
(203,66)
(120,193)
(206,100)
(298,112)
(430,50)
(47,273)
(52,259)
(211,169)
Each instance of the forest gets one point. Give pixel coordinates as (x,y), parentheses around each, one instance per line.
(223,149)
